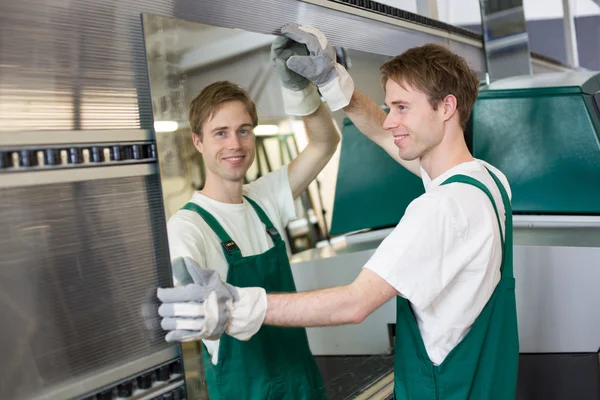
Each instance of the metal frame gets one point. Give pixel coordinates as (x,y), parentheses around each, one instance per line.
(435,34)
(556,221)
(69,390)
(74,137)
(35,177)
(570,34)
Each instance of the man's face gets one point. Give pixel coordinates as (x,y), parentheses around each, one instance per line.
(227,143)
(416,127)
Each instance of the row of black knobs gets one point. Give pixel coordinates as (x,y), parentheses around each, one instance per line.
(144,382)
(28,158)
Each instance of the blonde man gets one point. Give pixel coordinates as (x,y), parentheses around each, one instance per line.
(449,260)
(234,233)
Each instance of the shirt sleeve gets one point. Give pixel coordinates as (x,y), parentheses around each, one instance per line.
(185,240)
(416,257)
(274,188)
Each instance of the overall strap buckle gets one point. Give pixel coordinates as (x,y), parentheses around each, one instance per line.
(272,231)
(230,247)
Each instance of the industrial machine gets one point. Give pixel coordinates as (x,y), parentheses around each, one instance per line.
(83,243)
(543,132)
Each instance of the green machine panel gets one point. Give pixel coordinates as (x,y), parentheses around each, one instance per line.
(542,131)
(372,189)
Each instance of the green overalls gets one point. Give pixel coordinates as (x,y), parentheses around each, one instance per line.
(276,363)
(483,366)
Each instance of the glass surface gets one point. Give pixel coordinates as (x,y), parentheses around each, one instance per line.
(183,58)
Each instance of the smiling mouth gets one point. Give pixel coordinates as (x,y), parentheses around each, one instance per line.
(398,139)
(234,159)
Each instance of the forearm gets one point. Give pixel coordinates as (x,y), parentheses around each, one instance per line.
(327,307)
(321,131)
(366,115)
(323,139)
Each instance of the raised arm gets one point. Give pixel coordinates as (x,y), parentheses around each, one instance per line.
(301,98)
(323,139)
(368,117)
(335,84)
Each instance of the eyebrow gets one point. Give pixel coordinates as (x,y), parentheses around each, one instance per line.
(396,102)
(224,128)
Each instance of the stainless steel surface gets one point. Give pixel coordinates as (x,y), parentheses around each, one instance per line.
(166,389)
(556,221)
(338,265)
(36,177)
(433,35)
(558,298)
(505,38)
(81,65)
(570,34)
(73,137)
(74,388)
(78,261)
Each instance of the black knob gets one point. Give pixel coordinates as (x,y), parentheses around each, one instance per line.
(163,373)
(152,151)
(144,381)
(127,152)
(106,395)
(167,396)
(125,389)
(5,159)
(176,367)
(27,158)
(51,157)
(138,152)
(116,154)
(96,154)
(75,155)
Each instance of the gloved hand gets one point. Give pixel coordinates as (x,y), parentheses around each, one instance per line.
(208,307)
(300,96)
(320,65)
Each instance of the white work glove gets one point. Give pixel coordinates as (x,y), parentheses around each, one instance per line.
(320,65)
(300,96)
(209,307)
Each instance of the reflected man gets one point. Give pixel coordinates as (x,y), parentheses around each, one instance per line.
(234,232)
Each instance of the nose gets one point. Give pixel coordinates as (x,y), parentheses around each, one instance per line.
(390,122)
(234,142)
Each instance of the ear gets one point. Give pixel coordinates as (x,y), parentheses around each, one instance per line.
(197,141)
(449,107)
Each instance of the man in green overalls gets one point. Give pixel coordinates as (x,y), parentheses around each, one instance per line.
(233,232)
(448,262)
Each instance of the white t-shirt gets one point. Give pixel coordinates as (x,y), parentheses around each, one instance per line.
(444,256)
(190,236)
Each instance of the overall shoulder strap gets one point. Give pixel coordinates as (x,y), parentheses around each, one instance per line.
(271,230)
(506,240)
(508,270)
(230,248)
